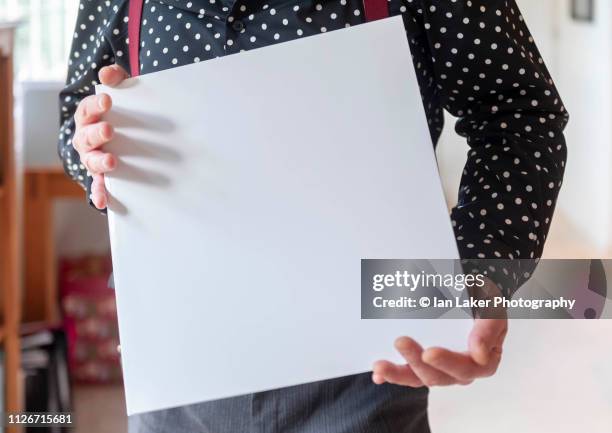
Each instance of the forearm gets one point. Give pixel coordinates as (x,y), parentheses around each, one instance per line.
(490,75)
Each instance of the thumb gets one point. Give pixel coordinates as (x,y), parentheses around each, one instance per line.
(486,339)
(112,75)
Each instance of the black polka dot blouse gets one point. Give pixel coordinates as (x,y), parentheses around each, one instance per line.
(476,59)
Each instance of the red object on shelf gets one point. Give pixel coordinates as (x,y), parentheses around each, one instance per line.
(90,319)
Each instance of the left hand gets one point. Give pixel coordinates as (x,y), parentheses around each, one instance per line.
(437,366)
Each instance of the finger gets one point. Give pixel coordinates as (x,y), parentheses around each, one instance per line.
(98,162)
(458,365)
(486,339)
(112,75)
(412,352)
(91,108)
(98,185)
(98,192)
(385,371)
(90,137)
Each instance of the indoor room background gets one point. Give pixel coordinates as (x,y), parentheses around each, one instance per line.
(64,235)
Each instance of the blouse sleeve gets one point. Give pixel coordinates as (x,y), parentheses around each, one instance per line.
(99,40)
(489,74)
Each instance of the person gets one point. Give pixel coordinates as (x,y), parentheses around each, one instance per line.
(475,59)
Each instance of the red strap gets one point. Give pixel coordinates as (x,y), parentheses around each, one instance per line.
(135,13)
(375,9)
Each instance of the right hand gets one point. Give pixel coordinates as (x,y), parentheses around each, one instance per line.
(91,133)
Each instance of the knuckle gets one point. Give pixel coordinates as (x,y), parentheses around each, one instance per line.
(88,109)
(96,136)
(96,163)
(83,110)
(88,138)
(85,161)
(78,140)
(78,115)
(92,165)
(83,113)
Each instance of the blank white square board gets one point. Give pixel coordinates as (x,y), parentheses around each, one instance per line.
(248,190)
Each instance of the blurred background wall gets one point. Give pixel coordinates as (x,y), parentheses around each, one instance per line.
(584,68)
(42,43)
(555,374)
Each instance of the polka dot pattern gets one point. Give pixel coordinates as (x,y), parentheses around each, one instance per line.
(476,59)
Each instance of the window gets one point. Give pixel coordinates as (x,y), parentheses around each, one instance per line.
(43,37)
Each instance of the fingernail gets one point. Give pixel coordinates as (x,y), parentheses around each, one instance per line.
(107,163)
(100,104)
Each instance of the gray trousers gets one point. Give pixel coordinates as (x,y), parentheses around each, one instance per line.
(351,404)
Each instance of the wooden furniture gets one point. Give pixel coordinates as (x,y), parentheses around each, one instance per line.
(42,187)
(10,230)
